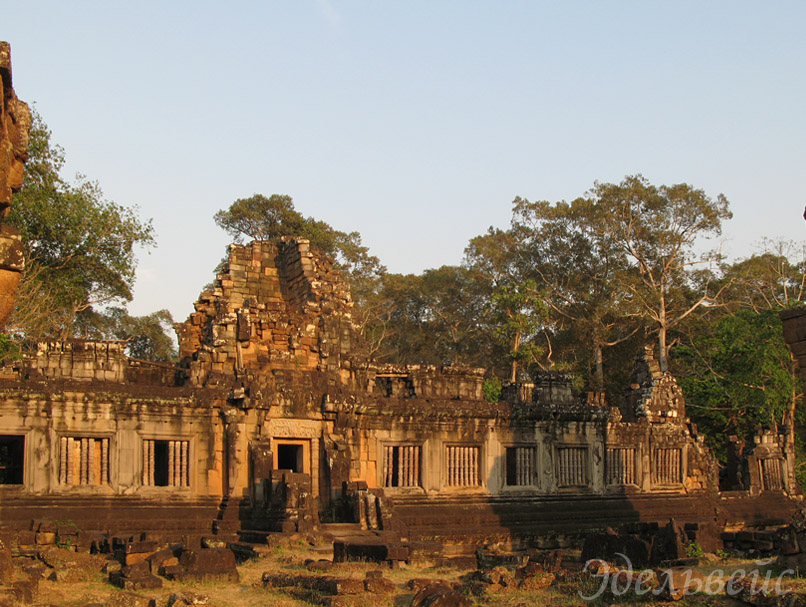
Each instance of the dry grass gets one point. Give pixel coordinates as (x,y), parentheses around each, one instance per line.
(251,593)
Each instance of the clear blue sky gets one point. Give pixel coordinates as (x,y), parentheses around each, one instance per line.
(415,123)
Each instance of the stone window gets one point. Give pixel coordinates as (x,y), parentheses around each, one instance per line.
(621,466)
(290,456)
(771,477)
(165,463)
(12,459)
(463,466)
(572,466)
(83,460)
(401,465)
(521,465)
(667,467)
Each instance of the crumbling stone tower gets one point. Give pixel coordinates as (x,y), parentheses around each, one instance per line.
(276,309)
(15,120)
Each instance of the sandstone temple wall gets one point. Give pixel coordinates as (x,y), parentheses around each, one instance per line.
(79,441)
(276,408)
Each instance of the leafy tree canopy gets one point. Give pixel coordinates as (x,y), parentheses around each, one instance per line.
(738,374)
(269,218)
(147,336)
(79,247)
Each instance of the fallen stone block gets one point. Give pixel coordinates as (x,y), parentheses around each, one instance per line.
(208,565)
(60,558)
(537,582)
(69,575)
(129,599)
(379,585)
(143,583)
(439,595)
(136,557)
(187,598)
(170,571)
(417,584)
(341,586)
(206,576)
(140,569)
(25,590)
(161,557)
(209,559)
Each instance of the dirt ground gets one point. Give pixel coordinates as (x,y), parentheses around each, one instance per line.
(250,591)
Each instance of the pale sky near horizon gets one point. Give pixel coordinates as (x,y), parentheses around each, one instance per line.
(415,123)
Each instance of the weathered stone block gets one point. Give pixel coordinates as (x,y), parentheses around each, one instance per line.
(212,564)
(140,569)
(137,557)
(46,538)
(171,570)
(25,590)
(187,598)
(166,556)
(141,583)
(342,586)
(439,595)
(379,585)
(129,599)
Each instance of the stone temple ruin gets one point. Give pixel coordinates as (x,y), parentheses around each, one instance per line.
(277,420)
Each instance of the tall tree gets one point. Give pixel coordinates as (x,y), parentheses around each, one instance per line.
(79,247)
(657,228)
(520,314)
(262,218)
(581,275)
(437,317)
(774,278)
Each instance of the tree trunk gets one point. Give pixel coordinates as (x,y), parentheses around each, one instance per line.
(662,349)
(516,344)
(598,377)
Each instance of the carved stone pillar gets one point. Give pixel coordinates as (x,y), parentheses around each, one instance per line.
(233,448)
